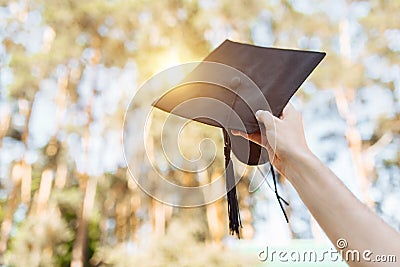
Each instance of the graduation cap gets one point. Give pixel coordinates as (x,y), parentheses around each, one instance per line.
(226,90)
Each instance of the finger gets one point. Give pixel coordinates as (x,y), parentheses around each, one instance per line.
(266,118)
(254,137)
(270,151)
(237,133)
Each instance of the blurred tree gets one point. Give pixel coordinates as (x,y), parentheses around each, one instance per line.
(65,193)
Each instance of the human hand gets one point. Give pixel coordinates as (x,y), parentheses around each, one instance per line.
(283,138)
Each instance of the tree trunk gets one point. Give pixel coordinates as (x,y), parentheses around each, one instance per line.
(44,190)
(6,226)
(21,174)
(88,186)
(80,246)
(344,98)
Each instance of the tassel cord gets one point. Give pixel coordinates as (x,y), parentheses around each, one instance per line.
(278,197)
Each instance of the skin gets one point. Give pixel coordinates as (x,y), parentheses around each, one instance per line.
(339,213)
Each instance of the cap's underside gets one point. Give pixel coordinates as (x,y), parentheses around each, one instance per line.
(233,82)
(193,101)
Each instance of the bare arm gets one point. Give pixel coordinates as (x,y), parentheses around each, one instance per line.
(339,213)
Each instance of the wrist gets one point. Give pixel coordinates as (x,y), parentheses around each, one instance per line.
(298,163)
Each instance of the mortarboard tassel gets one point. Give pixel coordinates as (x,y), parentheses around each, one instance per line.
(233,205)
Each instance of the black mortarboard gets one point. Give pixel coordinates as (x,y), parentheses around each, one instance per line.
(228,87)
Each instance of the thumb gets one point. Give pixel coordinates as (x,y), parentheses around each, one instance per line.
(266,118)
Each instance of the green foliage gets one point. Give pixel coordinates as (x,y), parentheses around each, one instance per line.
(152,34)
(41,240)
(183,245)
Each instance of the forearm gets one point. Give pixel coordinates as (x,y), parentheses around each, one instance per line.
(339,213)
